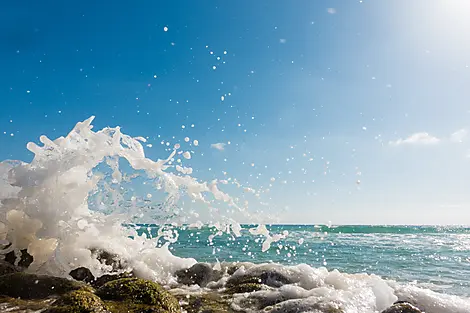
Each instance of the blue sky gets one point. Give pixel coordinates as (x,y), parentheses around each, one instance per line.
(317,94)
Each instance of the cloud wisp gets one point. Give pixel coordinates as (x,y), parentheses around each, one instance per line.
(459,136)
(218,146)
(421,138)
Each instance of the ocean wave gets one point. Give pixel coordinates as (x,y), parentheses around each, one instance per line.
(46,210)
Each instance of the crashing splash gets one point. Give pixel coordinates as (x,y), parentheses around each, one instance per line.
(45,205)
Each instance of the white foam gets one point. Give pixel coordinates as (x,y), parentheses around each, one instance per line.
(44,204)
(312,289)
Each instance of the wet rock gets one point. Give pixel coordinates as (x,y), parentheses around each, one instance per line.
(78,302)
(102,280)
(25,258)
(233,267)
(402,307)
(208,303)
(296,306)
(7,268)
(8,304)
(198,274)
(243,288)
(30,286)
(82,274)
(269,278)
(109,259)
(137,291)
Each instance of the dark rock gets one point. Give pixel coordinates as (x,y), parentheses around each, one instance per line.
(109,259)
(7,268)
(139,291)
(78,302)
(296,306)
(102,280)
(25,258)
(242,288)
(269,278)
(402,307)
(85,275)
(30,286)
(82,274)
(211,302)
(200,274)
(231,267)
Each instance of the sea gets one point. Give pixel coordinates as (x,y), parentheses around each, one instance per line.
(432,257)
(74,198)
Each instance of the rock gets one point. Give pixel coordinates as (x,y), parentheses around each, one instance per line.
(295,306)
(102,280)
(8,304)
(140,291)
(108,258)
(7,268)
(233,267)
(30,286)
(199,274)
(269,278)
(85,275)
(243,288)
(78,301)
(82,274)
(210,302)
(402,307)
(25,258)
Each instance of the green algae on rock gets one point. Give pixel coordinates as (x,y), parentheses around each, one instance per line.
(211,302)
(31,286)
(139,291)
(402,307)
(8,304)
(245,287)
(78,301)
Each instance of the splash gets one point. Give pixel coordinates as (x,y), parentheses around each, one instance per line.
(45,205)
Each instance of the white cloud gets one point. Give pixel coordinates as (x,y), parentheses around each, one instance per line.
(219,146)
(331,10)
(416,139)
(459,135)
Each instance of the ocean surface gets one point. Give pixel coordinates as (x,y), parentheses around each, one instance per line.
(432,257)
(361,269)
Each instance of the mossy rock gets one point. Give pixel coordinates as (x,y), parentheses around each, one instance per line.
(269,278)
(8,304)
(78,301)
(295,306)
(139,291)
(103,280)
(129,307)
(205,303)
(31,286)
(245,287)
(242,280)
(402,307)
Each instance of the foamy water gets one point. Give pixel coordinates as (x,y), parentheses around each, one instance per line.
(70,200)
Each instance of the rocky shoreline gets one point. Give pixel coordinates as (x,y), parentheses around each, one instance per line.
(118,293)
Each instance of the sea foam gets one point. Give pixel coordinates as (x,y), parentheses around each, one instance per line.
(45,204)
(45,207)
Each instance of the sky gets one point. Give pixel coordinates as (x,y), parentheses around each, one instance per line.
(349,112)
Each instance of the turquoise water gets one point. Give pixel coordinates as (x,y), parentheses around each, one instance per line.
(437,258)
